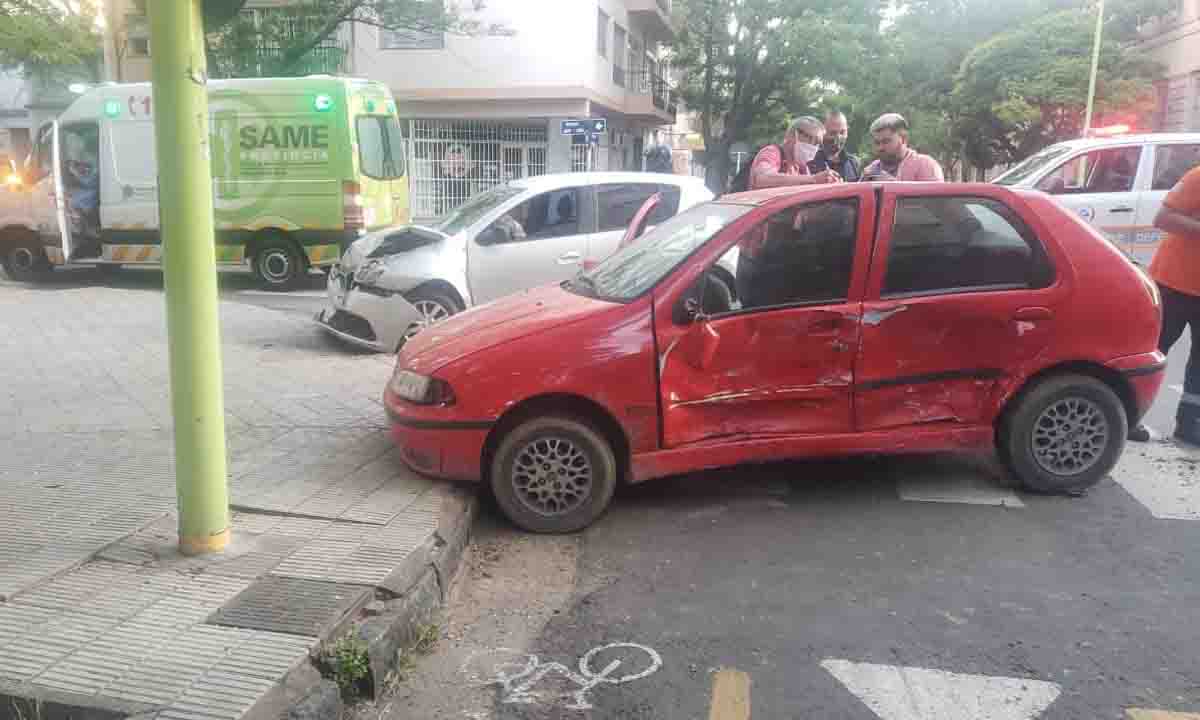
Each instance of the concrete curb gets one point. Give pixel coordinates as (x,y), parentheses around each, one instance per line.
(407,600)
(414,595)
(421,587)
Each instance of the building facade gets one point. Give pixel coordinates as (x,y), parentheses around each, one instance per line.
(1173,40)
(488,107)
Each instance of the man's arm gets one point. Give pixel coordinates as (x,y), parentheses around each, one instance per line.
(775,179)
(1177,223)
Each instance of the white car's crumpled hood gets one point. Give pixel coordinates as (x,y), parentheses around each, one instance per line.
(358,251)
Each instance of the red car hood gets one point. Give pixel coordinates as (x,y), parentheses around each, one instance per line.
(504,320)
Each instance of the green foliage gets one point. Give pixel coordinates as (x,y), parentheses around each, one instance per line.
(1025,88)
(980,81)
(348,661)
(51,38)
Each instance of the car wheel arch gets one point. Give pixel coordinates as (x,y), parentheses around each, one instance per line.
(578,406)
(1117,382)
(444,286)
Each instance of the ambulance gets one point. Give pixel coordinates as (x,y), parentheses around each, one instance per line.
(1116,182)
(301,168)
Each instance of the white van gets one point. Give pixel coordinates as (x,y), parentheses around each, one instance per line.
(1115,183)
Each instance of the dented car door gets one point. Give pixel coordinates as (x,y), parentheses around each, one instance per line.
(962,294)
(780,361)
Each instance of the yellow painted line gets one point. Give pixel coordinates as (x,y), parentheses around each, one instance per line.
(1140,714)
(730,695)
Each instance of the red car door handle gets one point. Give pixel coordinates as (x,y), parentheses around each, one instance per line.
(1033,314)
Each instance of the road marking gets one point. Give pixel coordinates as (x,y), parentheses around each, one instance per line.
(956,485)
(518,673)
(1162,477)
(730,695)
(895,692)
(1177,388)
(1140,714)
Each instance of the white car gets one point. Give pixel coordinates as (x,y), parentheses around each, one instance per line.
(1116,183)
(391,284)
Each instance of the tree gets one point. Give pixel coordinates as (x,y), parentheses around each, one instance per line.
(743,60)
(51,38)
(1026,88)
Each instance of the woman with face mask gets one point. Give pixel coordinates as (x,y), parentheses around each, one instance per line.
(787,164)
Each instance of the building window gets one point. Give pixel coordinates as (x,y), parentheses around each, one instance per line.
(139,47)
(618,55)
(137,33)
(411,40)
(602,34)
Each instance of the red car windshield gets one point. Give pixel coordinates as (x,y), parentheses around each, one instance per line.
(639,266)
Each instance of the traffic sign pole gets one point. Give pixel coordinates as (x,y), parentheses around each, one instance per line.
(185,195)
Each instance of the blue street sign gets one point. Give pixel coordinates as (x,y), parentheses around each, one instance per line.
(584,127)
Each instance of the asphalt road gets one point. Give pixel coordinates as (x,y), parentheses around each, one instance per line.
(816,590)
(823,590)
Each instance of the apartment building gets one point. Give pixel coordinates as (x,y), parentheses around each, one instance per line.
(485,108)
(1174,41)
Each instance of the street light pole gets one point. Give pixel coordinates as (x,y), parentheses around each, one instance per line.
(1091,98)
(185,196)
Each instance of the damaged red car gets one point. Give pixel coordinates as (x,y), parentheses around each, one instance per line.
(865,318)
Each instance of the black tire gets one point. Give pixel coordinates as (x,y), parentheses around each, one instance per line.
(573,444)
(434,304)
(1064,434)
(278,264)
(24,258)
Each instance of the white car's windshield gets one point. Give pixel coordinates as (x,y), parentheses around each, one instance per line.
(637,267)
(1032,164)
(477,207)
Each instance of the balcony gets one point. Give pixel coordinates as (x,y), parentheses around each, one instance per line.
(322,60)
(652,17)
(650,96)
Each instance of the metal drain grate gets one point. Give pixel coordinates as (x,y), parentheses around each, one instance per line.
(291,605)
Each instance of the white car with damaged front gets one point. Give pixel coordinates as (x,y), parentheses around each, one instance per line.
(391,284)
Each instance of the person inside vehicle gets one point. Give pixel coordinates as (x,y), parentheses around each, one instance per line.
(83,192)
(895,160)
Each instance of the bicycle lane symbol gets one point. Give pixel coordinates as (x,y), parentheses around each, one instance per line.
(520,673)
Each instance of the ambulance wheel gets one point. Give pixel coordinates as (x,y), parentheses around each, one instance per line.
(277,263)
(24,258)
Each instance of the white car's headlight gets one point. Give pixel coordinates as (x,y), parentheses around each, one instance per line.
(369,273)
(421,389)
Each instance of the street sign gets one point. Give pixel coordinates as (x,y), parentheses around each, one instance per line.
(590,126)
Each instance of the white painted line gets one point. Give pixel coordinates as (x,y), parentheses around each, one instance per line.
(895,692)
(967,488)
(1164,477)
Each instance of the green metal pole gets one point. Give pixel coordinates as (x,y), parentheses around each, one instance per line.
(185,196)
(1087,119)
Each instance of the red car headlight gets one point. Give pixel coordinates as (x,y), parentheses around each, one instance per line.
(421,389)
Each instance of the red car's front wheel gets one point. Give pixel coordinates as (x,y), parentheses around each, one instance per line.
(554,474)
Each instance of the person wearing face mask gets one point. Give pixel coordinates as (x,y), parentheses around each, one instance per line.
(787,164)
(833,155)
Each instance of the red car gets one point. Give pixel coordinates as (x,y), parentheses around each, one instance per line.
(867,318)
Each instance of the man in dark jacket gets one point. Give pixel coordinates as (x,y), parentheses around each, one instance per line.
(833,155)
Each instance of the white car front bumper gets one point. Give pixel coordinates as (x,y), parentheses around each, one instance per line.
(366,317)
